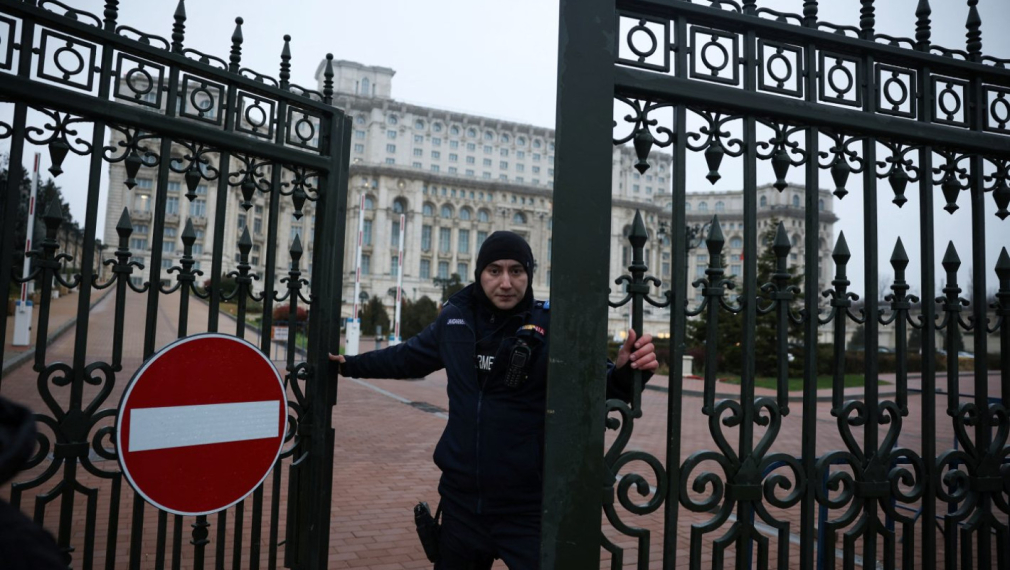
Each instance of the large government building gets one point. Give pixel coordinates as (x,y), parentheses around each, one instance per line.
(456,177)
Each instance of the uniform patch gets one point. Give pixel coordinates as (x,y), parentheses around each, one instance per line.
(455,322)
(534,328)
(485,362)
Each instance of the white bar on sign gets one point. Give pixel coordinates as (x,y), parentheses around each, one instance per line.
(183,426)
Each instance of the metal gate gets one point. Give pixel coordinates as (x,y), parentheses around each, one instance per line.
(821,99)
(217,139)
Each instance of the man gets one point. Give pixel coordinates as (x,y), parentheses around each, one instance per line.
(491,338)
(24,545)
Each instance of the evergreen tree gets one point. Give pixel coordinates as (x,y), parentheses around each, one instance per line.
(449,286)
(416,315)
(373,315)
(730,327)
(858,339)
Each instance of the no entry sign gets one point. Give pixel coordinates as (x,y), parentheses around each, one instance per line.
(201,424)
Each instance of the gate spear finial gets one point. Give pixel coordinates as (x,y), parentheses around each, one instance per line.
(923,26)
(236,46)
(285,75)
(179,27)
(974,35)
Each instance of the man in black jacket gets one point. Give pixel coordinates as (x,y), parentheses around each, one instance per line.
(24,545)
(491,338)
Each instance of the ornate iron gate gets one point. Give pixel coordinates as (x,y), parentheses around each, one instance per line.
(186,120)
(847,100)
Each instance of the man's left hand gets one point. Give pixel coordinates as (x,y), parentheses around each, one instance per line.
(640,352)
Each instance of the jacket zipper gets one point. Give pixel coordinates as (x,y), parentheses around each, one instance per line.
(480,398)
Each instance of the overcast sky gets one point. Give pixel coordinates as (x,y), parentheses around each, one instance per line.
(500,59)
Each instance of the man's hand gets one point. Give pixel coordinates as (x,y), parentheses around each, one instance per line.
(640,352)
(340,360)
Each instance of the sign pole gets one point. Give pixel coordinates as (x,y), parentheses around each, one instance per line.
(354,323)
(24,309)
(399,284)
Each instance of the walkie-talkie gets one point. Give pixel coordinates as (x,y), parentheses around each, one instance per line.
(427,530)
(518,362)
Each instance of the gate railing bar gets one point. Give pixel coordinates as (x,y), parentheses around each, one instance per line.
(88,107)
(698,14)
(678,317)
(811,300)
(159,51)
(646,85)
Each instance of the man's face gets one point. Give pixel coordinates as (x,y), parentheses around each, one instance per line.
(504,282)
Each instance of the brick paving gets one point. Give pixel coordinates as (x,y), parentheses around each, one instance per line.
(386,433)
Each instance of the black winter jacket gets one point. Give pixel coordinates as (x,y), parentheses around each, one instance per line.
(491,452)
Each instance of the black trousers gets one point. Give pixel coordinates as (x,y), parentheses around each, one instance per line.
(470,541)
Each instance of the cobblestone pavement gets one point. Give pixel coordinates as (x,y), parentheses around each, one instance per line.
(386,433)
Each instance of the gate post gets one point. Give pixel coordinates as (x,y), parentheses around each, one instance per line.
(573,454)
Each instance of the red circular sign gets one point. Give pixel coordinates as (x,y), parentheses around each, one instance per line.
(201,424)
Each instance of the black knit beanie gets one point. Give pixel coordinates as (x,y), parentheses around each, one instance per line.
(504,245)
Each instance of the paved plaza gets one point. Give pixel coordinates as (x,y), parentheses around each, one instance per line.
(386,431)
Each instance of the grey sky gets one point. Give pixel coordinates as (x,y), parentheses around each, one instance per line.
(500,59)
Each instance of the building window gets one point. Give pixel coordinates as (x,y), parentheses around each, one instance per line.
(390,160)
(487,149)
(366,264)
(399,206)
(735,269)
(443,269)
(174,186)
(471,132)
(366,233)
(436,142)
(138,244)
(446,211)
(428,209)
(168,246)
(720,207)
(418,152)
(488,136)
(416,165)
(485,175)
(702,206)
(419,124)
(198,208)
(463,243)
(504,165)
(519,218)
(469,172)
(504,152)
(464,214)
(520,167)
(394,265)
(392,120)
(820,204)
(436,155)
(452,170)
(359,148)
(369,203)
(453,157)
(366,89)
(390,148)
(484,215)
(142,203)
(764,201)
(487,162)
(172,205)
(736,242)
(471,147)
(425,269)
(796,201)
(390,134)
(536,157)
(444,240)
(425,238)
(418,139)
(453,144)
(435,168)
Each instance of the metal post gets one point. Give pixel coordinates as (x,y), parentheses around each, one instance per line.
(573,463)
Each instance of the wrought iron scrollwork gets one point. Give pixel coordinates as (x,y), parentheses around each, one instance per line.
(710,139)
(641,131)
(637,287)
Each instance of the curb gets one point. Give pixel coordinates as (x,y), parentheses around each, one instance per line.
(27,355)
